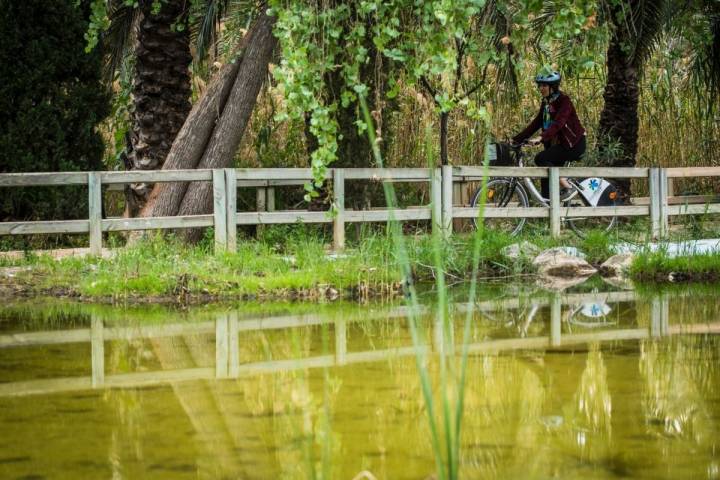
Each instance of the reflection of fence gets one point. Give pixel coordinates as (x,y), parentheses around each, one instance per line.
(225,216)
(228,328)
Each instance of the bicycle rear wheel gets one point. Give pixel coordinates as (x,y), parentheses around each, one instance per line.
(582,226)
(499,193)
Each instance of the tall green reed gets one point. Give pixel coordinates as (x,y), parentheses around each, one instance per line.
(445,432)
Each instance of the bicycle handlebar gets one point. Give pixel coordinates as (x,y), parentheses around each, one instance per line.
(524,143)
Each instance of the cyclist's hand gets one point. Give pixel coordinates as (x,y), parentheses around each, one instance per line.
(534,141)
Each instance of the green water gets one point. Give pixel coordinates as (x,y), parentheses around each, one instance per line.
(307,391)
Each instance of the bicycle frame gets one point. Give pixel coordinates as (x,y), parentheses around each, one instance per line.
(532,189)
(529,185)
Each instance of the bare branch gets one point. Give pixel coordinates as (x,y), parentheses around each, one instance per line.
(460,45)
(429,88)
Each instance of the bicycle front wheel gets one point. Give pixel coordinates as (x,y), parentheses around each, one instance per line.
(500,193)
(582,226)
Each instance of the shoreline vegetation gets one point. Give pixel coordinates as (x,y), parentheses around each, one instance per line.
(291,266)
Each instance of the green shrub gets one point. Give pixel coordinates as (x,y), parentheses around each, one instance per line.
(51,100)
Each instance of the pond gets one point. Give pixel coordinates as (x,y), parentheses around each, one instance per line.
(572,385)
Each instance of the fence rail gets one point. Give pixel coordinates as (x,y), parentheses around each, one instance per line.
(442,208)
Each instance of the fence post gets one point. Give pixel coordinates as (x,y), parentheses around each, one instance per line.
(339,201)
(95,212)
(233,345)
(554,181)
(261,204)
(231,208)
(459,194)
(663,180)
(261,199)
(659,315)
(447,200)
(97,351)
(271,199)
(340,341)
(221,346)
(656,202)
(219,209)
(436,210)
(555,320)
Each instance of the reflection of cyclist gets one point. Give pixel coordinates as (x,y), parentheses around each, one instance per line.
(562,134)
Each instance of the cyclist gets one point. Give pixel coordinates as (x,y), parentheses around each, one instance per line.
(562,134)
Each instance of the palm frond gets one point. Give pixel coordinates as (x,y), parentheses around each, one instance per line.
(207,18)
(505,74)
(646,20)
(542,22)
(206,25)
(550,10)
(117,39)
(705,69)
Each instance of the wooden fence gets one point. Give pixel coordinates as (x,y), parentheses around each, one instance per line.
(442,209)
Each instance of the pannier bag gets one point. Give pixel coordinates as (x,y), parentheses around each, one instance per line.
(498,155)
(598,192)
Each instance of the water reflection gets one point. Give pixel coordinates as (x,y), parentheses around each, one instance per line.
(566,385)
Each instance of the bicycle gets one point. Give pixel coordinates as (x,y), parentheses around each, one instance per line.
(512,192)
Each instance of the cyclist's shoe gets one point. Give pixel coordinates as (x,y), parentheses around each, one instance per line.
(566,193)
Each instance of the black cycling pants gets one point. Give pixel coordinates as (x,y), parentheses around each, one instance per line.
(557,156)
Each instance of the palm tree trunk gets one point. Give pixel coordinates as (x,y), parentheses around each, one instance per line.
(618,129)
(161,92)
(212,132)
(228,131)
(191,141)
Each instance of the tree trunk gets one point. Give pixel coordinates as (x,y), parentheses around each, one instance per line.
(211,134)
(619,118)
(191,142)
(444,138)
(161,92)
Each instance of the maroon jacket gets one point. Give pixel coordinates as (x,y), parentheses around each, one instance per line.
(565,128)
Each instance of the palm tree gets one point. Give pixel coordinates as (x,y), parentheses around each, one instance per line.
(157,36)
(161,89)
(635,25)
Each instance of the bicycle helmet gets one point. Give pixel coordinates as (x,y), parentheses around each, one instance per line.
(548,78)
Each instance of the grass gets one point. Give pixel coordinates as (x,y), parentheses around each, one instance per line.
(296,262)
(659,267)
(597,246)
(161,267)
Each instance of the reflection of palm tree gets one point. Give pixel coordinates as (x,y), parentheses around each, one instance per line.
(504,403)
(593,404)
(586,433)
(306,444)
(673,404)
(126,404)
(198,400)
